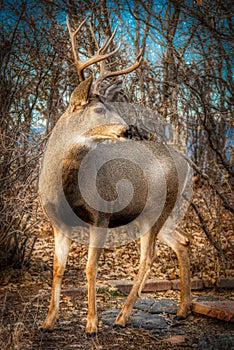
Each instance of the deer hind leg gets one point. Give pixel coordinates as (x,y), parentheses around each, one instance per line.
(146,261)
(97,240)
(62,246)
(180,244)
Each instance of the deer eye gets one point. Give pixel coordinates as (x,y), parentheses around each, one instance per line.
(99,110)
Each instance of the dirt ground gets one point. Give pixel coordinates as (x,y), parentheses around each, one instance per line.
(24,299)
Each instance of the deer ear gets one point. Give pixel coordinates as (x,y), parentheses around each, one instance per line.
(80,95)
(114,93)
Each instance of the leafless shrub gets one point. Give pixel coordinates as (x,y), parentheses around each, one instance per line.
(20,214)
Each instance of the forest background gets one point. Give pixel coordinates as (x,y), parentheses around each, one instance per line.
(186,76)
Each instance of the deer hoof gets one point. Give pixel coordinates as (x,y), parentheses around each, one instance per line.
(91,334)
(179,318)
(183,312)
(117,326)
(46,330)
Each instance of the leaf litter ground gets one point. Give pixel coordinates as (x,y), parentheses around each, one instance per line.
(24,297)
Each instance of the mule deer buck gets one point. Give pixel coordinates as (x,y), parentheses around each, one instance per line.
(91,130)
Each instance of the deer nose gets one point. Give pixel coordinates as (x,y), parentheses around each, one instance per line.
(129,132)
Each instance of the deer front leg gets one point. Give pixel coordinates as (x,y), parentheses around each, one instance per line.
(180,244)
(91,272)
(62,246)
(146,261)
(96,244)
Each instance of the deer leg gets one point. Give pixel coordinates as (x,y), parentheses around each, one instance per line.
(180,244)
(62,246)
(97,240)
(146,261)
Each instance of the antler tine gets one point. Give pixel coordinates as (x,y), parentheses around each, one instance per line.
(93,35)
(102,50)
(107,74)
(73,35)
(107,43)
(99,56)
(104,47)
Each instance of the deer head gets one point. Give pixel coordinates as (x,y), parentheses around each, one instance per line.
(83,92)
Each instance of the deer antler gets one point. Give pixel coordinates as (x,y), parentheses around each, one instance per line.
(104,73)
(99,56)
